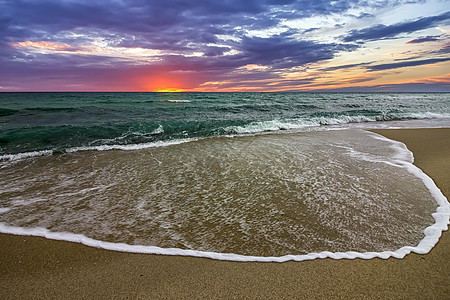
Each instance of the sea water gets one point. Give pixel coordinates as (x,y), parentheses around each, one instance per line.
(236,176)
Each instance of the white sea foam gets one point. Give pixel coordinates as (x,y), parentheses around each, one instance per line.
(179,101)
(427,115)
(18,156)
(158,130)
(25,202)
(401,153)
(275,125)
(401,158)
(252,128)
(126,147)
(131,146)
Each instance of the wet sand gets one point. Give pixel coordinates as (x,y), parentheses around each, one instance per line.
(36,268)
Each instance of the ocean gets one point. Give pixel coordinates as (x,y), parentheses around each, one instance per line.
(231,176)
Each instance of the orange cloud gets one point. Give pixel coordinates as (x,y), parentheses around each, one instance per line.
(44,45)
(437,79)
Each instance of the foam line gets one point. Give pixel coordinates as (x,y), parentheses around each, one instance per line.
(424,247)
(301,123)
(18,156)
(402,159)
(130,147)
(179,101)
(252,128)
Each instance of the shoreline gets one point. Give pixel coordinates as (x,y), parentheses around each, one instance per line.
(34,267)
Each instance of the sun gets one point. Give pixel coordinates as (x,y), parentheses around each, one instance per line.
(164,82)
(168,90)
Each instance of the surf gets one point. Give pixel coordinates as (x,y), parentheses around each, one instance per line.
(253,198)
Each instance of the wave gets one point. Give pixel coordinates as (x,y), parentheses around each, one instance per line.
(426,115)
(290,124)
(432,236)
(130,147)
(19,156)
(158,130)
(7,112)
(402,159)
(130,136)
(157,137)
(179,101)
(56,109)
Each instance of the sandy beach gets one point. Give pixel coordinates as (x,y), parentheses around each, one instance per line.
(37,268)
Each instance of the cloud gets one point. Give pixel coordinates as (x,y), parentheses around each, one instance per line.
(84,42)
(364,15)
(401,87)
(184,27)
(282,52)
(21,17)
(445,49)
(348,66)
(311,30)
(293,82)
(381,31)
(407,64)
(428,38)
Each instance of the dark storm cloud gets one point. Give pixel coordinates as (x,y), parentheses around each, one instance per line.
(407,64)
(390,31)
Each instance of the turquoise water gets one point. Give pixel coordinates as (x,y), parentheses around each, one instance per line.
(234,176)
(59,121)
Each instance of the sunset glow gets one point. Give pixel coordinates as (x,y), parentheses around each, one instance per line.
(232,46)
(168,90)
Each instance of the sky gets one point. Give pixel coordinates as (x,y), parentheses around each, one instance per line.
(225,46)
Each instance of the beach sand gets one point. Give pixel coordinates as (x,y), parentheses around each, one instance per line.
(37,268)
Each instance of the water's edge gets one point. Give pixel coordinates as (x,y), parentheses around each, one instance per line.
(432,233)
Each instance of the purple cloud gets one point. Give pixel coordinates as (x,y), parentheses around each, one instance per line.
(283,52)
(407,64)
(443,87)
(211,39)
(348,66)
(429,38)
(381,31)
